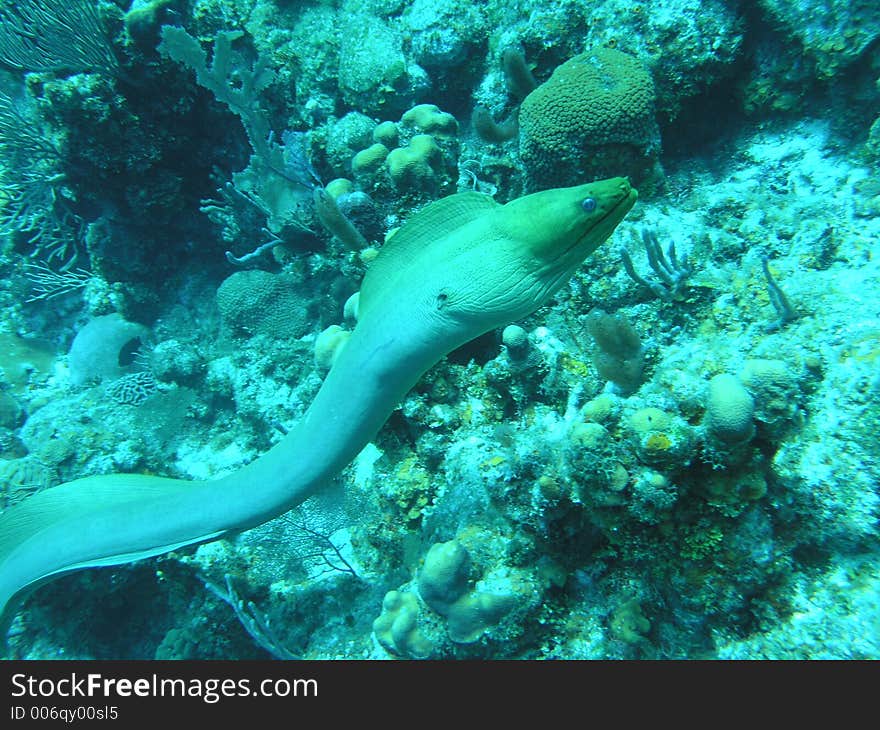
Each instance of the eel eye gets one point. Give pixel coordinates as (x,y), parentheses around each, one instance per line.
(442,297)
(588,205)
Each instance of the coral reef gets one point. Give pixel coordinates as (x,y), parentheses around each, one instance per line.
(677,457)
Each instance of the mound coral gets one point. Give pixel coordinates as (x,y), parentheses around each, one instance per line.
(329,344)
(428,118)
(415,155)
(397,627)
(594,116)
(445,586)
(105,348)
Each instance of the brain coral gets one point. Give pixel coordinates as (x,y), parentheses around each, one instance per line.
(730,410)
(594,117)
(257,302)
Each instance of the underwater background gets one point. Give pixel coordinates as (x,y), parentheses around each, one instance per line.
(676,458)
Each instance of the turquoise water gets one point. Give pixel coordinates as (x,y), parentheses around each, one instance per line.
(671,455)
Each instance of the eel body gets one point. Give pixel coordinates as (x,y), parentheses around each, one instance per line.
(459,268)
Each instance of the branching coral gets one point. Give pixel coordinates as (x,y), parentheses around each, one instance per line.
(34,199)
(231,82)
(278,174)
(671,272)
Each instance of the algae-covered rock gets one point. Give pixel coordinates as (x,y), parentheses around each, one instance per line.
(774,385)
(661,438)
(345,136)
(834,34)
(374,74)
(444,32)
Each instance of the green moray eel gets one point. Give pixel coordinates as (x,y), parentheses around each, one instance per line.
(459,268)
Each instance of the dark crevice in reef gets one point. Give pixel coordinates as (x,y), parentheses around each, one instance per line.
(706,124)
(481,350)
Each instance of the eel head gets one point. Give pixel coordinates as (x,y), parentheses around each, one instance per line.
(530,247)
